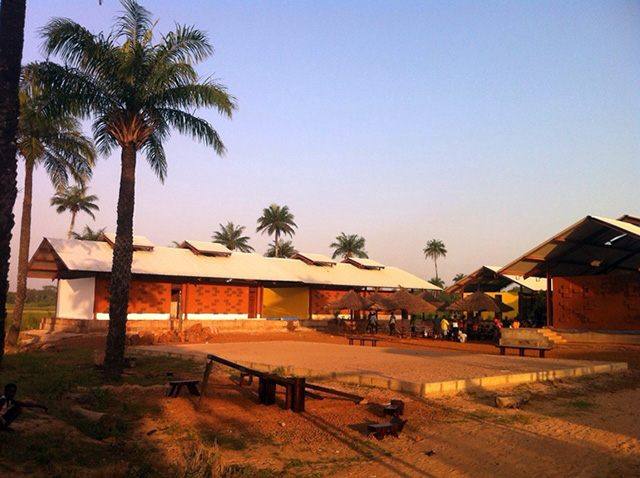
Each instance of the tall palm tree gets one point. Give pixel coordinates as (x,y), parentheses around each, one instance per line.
(231,237)
(75,200)
(276,220)
(283,249)
(56,143)
(349,246)
(88,234)
(12,15)
(136,91)
(435,249)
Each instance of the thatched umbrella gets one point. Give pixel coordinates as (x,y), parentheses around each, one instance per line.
(479,301)
(405,300)
(351,300)
(379,302)
(429,297)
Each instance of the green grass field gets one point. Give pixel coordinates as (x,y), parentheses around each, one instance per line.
(31,316)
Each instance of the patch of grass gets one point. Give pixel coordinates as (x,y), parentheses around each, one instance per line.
(279,371)
(514,418)
(224,441)
(480,414)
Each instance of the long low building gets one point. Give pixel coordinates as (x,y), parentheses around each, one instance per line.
(206,281)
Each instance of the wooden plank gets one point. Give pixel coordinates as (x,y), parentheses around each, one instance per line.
(333,391)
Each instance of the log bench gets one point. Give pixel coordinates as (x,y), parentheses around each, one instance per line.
(362,340)
(395,408)
(381,430)
(176,386)
(522,348)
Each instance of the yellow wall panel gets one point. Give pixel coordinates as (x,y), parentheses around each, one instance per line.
(286,302)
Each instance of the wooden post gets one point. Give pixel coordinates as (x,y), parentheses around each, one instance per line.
(298,394)
(549,301)
(205,381)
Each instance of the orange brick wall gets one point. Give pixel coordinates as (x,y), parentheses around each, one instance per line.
(610,302)
(217,299)
(144,297)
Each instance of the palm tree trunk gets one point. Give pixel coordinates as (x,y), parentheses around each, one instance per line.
(435,262)
(73,222)
(23,255)
(12,13)
(275,245)
(121,268)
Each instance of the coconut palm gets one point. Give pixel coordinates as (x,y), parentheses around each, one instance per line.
(89,234)
(276,220)
(136,91)
(231,237)
(437,281)
(284,249)
(12,15)
(434,250)
(459,276)
(75,200)
(349,246)
(57,144)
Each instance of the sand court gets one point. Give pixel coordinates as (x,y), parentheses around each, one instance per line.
(420,371)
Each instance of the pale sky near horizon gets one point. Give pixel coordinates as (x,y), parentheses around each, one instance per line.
(488,125)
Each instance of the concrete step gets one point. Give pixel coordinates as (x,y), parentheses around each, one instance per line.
(553,336)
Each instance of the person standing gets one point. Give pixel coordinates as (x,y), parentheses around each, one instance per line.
(392,324)
(444,327)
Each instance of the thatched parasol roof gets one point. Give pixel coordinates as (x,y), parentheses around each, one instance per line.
(379,302)
(351,300)
(479,301)
(405,300)
(429,297)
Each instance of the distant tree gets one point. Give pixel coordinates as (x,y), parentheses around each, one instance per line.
(276,220)
(88,234)
(231,237)
(459,276)
(55,142)
(349,246)
(75,200)
(284,249)
(435,249)
(437,282)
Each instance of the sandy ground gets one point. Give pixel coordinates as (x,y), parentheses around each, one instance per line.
(585,428)
(409,364)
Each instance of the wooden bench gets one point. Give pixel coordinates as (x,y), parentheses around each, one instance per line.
(395,408)
(381,430)
(176,386)
(248,375)
(362,340)
(522,348)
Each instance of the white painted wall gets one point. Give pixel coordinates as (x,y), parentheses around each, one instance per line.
(75,298)
(105,316)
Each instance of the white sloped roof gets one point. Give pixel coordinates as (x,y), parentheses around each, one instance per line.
(66,257)
(489,279)
(593,245)
(204,247)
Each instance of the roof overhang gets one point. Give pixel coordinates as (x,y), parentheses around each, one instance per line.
(45,263)
(592,246)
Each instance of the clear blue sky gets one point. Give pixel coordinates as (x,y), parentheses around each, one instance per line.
(488,125)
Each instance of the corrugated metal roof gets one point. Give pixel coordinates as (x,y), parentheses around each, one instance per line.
(139,242)
(365,263)
(317,259)
(203,247)
(593,245)
(489,279)
(73,256)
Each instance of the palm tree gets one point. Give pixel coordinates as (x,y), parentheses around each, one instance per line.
(75,199)
(459,276)
(434,250)
(231,237)
(283,249)
(276,220)
(12,15)
(349,246)
(136,91)
(56,143)
(438,282)
(89,234)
